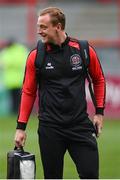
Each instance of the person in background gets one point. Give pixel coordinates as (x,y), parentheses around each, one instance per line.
(64,122)
(13,58)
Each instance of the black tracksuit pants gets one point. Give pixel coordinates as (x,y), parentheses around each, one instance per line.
(82,148)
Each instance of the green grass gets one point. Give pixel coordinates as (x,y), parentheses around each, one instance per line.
(109,148)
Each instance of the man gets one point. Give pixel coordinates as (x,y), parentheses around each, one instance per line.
(13,64)
(64,123)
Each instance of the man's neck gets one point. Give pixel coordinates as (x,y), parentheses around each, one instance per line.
(60,38)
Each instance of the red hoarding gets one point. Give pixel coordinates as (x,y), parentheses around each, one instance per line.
(112,107)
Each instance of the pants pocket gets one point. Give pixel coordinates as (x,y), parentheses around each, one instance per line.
(93,126)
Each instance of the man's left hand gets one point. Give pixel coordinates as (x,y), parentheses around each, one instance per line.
(98,123)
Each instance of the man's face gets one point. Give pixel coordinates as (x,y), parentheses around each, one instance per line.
(45,28)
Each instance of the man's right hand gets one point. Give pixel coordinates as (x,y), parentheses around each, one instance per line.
(20,138)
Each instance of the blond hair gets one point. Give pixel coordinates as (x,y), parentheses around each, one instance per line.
(56,14)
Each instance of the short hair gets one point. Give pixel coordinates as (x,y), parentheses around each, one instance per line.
(56,14)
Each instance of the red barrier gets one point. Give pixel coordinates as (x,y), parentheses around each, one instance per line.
(112,109)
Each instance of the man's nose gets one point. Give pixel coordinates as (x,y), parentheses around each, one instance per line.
(39,31)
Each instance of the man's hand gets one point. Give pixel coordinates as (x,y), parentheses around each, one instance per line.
(98,123)
(20,138)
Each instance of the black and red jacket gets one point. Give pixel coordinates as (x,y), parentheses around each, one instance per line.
(62,99)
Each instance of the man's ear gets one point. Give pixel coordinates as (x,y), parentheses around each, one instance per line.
(59,27)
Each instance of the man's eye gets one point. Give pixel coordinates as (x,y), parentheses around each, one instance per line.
(43,27)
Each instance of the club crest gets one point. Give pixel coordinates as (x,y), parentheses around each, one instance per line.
(76,62)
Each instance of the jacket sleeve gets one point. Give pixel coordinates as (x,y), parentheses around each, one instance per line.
(98,80)
(28,92)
